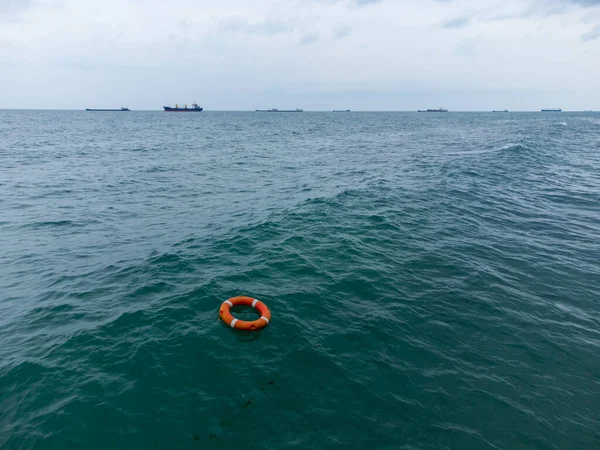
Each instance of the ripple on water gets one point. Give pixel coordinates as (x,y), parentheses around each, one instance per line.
(432,281)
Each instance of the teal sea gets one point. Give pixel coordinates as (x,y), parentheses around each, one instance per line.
(433,280)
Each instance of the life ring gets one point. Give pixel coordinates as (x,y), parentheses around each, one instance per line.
(258,324)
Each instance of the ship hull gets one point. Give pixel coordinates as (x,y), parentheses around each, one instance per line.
(169,109)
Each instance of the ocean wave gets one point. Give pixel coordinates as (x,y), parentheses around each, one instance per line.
(418,298)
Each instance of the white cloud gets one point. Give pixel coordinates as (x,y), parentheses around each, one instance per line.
(387,54)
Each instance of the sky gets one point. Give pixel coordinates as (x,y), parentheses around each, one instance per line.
(398,55)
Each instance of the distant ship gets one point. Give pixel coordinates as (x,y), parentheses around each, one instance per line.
(551,110)
(341,110)
(504,110)
(105,110)
(280,110)
(194,108)
(433,110)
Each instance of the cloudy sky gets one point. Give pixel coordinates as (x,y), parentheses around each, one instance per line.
(312,54)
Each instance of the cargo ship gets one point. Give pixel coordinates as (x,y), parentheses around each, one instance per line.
(551,110)
(106,110)
(275,110)
(500,110)
(433,110)
(341,110)
(194,108)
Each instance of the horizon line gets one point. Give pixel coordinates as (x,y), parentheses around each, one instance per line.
(315,110)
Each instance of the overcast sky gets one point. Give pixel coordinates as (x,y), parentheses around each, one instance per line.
(311,54)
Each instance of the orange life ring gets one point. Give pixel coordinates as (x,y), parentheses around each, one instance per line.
(258,324)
